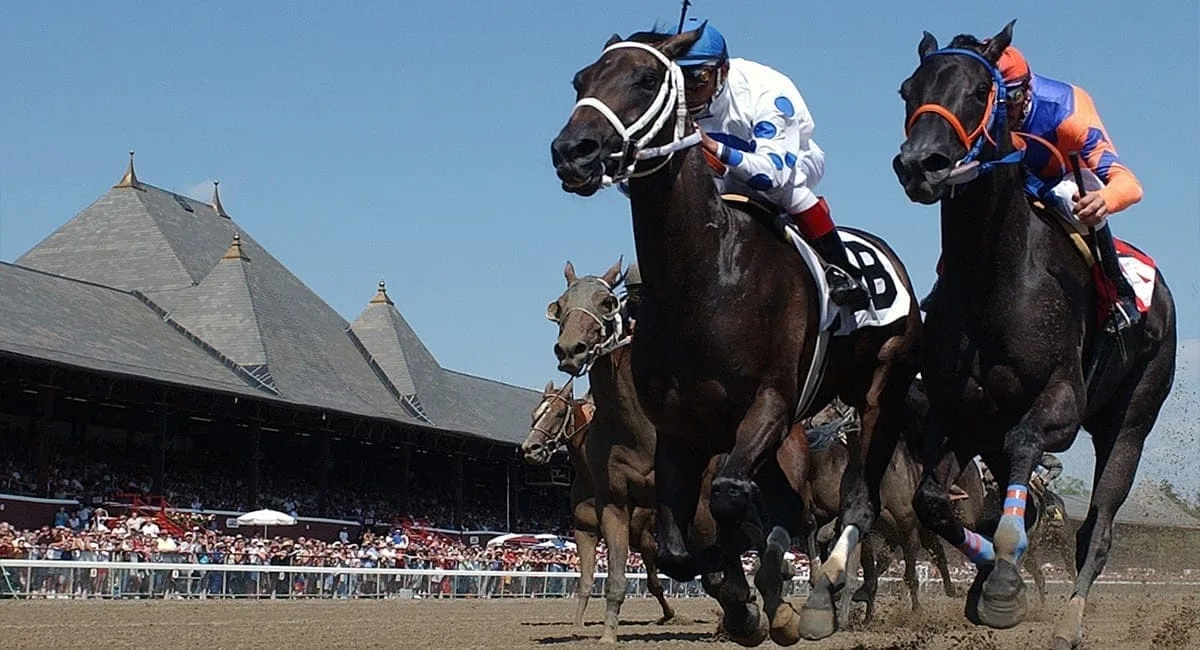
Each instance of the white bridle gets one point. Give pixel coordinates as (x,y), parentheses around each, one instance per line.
(613,323)
(669,100)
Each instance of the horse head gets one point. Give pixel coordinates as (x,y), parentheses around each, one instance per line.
(552,423)
(589,319)
(944,97)
(625,102)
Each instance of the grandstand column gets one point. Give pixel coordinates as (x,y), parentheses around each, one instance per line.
(323,476)
(158,462)
(459,481)
(405,464)
(41,437)
(514,508)
(255,431)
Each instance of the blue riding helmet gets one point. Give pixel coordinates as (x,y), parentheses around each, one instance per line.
(709,49)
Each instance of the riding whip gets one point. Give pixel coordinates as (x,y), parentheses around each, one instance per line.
(683,16)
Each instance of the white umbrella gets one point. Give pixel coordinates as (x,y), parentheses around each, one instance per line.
(266,517)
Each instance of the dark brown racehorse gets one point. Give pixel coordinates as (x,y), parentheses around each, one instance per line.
(725,338)
(613,492)
(1009,343)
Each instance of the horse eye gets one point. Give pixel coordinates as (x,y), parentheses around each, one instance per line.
(648,82)
(982,90)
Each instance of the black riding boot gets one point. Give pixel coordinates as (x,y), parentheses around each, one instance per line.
(845,280)
(1125,313)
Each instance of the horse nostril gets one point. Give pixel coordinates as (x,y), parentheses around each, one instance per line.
(935,162)
(579,348)
(559,352)
(584,149)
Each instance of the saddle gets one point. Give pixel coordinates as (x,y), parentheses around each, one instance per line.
(759,209)
(1137,267)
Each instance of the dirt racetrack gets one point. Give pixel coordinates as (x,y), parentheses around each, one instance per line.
(1119,616)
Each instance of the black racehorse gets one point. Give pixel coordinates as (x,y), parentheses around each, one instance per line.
(728,329)
(1008,353)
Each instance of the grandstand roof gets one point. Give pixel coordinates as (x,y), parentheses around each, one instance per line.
(149,283)
(1146,506)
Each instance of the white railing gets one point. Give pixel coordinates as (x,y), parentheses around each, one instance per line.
(86,579)
(79,579)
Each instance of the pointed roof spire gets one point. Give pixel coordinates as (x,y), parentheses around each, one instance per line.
(235,250)
(130,178)
(216,201)
(381,297)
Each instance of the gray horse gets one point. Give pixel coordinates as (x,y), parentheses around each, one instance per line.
(613,493)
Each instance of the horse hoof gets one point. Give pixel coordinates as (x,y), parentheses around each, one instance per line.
(731,498)
(817,624)
(861,596)
(609,636)
(818,620)
(1068,634)
(785,625)
(997,598)
(756,632)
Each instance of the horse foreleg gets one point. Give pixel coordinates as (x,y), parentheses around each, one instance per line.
(741,619)
(1033,564)
(585,542)
(654,585)
(911,549)
(934,509)
(873,566)
(614,525)
(678,475)
(759,434)
(935,548)
(783,499)
(1054,415)
(870,455)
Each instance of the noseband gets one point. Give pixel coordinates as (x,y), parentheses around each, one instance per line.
(989,128)
(567,430)
(669,100)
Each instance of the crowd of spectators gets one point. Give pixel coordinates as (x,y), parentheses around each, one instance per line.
(95,473)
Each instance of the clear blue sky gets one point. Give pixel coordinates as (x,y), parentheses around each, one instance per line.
(410,140)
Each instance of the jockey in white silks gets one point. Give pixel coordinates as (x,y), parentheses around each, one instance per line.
(757,137)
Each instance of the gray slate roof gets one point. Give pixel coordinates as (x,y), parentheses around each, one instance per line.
(90,326)
(168,261)
(1146,506)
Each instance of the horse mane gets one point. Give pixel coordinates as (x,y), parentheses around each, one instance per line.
(967,42)
(655,36)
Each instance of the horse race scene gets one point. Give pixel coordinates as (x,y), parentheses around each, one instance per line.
(547,324)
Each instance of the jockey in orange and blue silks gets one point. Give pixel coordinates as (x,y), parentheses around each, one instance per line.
(757,133)
(1052,120)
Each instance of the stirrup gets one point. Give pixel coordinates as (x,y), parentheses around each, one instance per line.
(1124,314)
(844,290)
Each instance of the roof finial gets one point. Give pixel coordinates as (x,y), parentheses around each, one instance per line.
(235,250)
(130,179)
(381,297)
(216,201)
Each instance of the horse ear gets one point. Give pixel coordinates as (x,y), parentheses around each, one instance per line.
(549,386)
(614,272)
(678,45)
(569,273)
(1000,42)
(613,40)
(928,44)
